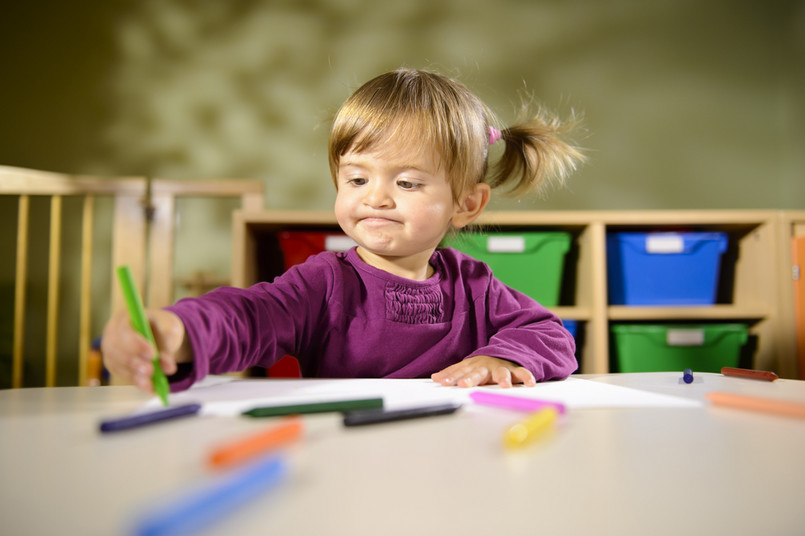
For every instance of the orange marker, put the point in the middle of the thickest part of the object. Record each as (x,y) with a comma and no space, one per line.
(749,373)
(755,403)
(243,449)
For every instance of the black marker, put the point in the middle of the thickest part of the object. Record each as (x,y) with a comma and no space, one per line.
(375,416)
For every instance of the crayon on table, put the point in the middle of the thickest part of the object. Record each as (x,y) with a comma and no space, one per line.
(144,419)
(139,322)
(529,429)
(202,508)
(755,403)
(244,449)
(316,407)
(377,416)
(749,373)
(514,402)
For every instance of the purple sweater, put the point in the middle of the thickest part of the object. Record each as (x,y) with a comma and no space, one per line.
(343,318)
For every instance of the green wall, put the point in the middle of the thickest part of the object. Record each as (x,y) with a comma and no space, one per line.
(689,104)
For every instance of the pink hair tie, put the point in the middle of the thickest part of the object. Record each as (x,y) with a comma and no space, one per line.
(494,135)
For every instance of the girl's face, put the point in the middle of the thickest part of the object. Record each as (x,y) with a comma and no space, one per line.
(397,205)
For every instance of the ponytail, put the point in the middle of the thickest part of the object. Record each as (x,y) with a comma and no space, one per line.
(536,155)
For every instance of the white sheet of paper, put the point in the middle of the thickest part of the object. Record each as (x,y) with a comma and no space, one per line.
(225,396)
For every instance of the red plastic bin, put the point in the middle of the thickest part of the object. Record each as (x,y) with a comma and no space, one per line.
(296,247)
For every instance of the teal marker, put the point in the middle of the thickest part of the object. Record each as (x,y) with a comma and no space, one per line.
(140,323)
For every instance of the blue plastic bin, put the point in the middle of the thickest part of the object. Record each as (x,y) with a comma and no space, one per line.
(576,330)
(664,268)
(571,326)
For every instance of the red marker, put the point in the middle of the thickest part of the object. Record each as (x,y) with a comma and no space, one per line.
(763,375)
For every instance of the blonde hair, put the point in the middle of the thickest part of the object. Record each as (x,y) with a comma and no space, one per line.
(408,105)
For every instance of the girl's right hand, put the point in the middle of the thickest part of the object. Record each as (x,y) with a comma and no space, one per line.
(128,355)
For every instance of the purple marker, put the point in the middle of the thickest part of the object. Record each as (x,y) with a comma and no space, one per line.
(514,402)
(144,419)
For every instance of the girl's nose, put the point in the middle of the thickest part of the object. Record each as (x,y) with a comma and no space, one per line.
(377,196)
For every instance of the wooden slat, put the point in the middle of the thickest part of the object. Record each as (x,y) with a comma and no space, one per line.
(128,244)
(252,201)
(128,247)
(85,296)
(599,362)
(695,313)
(243,264)
(207,188)
(20,281)
(160,252)
(54,268)
(19,181)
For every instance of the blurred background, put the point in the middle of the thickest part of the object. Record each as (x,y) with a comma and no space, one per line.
(688,104)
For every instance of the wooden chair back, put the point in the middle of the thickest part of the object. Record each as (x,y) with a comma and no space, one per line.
(143,229)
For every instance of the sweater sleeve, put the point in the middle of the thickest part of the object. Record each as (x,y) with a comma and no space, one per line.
(524,332)
(232,329)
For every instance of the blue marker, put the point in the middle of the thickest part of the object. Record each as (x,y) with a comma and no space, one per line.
(207,506)
(687,376)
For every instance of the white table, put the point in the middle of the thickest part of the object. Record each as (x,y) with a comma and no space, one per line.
(700,470)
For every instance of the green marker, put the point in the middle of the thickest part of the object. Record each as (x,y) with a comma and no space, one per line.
(316,407)
(140,323)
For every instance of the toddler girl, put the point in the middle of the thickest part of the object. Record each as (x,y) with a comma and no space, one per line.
(408,154)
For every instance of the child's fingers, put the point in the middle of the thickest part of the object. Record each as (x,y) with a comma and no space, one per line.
(502,376)
(137,369)
(168,334)
(473,377)
(126,353)
(481,370)
(524,376)
(447,376)
(463,374)
(143,381)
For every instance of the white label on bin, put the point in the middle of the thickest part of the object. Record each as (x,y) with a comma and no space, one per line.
(685,337)
(665,243)
(338,243)
(505,244)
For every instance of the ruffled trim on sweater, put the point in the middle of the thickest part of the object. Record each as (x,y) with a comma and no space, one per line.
(413,305)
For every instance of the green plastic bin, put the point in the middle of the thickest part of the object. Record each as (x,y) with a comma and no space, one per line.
(529,262)
(659,348)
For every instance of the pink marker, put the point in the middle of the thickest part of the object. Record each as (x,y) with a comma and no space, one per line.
(514,402)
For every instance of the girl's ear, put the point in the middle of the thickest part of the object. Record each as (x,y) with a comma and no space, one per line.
(470,205)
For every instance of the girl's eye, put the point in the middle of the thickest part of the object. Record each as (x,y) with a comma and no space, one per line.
(407,185)
(357,181)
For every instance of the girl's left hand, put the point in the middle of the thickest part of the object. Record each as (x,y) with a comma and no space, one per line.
(483,370)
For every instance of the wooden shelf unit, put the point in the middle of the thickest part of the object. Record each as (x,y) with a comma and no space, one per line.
(756,270)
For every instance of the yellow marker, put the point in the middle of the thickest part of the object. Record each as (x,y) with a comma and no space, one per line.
(525,431)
